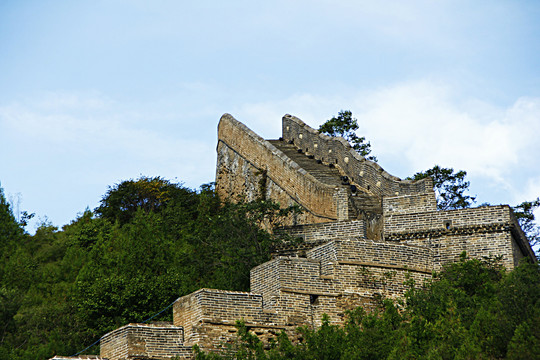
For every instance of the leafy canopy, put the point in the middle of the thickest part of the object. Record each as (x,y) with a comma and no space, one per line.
(345,125)
(150,242)
(525,215)
(122,200)
(450,187)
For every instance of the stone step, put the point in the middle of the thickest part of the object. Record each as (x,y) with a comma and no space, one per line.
(321,172)
(358,202)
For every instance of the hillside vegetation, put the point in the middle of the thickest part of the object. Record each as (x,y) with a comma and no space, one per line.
(148,243)
(151,241)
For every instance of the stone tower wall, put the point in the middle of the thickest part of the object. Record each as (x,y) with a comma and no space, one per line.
(409,203)
(480,232)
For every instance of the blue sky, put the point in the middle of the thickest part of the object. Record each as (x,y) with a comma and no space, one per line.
(95,92)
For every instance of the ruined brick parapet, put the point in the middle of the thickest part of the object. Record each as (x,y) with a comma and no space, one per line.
(336,150)
(327,231)
(480,232)
(209,316)
(445,220)
(291,274)
(144,341)
(337,268)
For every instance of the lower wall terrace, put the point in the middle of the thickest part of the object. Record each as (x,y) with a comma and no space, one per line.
(144,341)
(327,231)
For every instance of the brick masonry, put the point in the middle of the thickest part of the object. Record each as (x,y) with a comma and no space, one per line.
(140,341)
(356,246)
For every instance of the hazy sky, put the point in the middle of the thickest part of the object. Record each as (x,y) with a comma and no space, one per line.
(96,92)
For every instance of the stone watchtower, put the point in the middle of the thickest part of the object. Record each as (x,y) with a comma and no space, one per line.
(364,231)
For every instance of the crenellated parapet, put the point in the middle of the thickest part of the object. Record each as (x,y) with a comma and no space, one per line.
(322,174)
(480,232)
(369,175)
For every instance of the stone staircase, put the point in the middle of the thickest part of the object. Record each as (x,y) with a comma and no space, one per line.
(321,172)
(361,204)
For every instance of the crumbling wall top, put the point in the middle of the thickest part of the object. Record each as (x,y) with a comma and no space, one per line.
(337,151)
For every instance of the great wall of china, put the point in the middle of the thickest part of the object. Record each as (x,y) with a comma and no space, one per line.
(364,232)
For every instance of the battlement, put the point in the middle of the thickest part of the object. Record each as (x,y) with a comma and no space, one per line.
(305,168)
(369,175)
(407,204)
(144,341)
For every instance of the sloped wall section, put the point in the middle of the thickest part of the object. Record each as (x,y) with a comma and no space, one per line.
(249,167)
(335,150)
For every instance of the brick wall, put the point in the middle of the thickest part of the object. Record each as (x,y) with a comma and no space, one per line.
(350,260)
(410,203)
(476,245)
(337,268)
(217,306)
(144,340)
(210,316)
(327,254)
(480,232)
(264,280)
(328,231)
(378,254)
(331,150)
(439,220)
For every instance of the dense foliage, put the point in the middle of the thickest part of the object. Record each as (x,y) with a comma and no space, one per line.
(451,187)
(345,125)
(525,215)
(151,241)
(471,310)
(148,243)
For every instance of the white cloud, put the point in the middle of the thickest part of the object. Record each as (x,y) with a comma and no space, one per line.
(80,131)
(425,124)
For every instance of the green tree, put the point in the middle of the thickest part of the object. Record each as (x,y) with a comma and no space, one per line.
(525,215)
(10,230)
(147,193)
(345,125)
(140,264)
(11,235)
(450,187)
